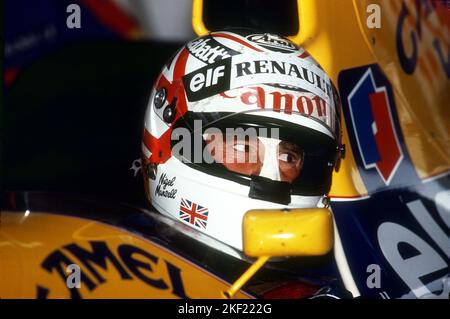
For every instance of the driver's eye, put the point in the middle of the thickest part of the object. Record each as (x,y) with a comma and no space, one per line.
(287,157)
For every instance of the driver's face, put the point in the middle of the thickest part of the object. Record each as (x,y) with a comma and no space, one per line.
(249,155)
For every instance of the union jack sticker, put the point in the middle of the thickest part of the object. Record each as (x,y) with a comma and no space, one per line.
(193,213)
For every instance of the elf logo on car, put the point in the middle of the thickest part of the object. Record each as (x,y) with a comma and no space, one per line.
(208,81)
(427,262)
(272,42)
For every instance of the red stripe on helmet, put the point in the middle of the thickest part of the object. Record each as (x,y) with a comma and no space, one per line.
(175,89)
(304,55)
(177,84)
(236,39)
(180,66)
(160,147)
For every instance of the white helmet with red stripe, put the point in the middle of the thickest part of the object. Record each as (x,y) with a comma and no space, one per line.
(239,120)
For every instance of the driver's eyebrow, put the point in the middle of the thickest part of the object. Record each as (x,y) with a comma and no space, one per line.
(287,146)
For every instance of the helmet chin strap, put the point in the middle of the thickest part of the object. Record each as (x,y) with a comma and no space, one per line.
(270,168)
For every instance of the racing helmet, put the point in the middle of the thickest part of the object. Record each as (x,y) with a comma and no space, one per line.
(239,120)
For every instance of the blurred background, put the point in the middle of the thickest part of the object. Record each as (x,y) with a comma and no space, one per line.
(74,98)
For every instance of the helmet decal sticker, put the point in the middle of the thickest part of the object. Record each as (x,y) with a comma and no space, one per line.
(250,69)
(273,42)
(193,213)
(209,50)
(208,81)
(166,186)
(286,101)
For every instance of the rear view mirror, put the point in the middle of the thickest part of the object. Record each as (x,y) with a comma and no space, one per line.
(297,232)
(273,233)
